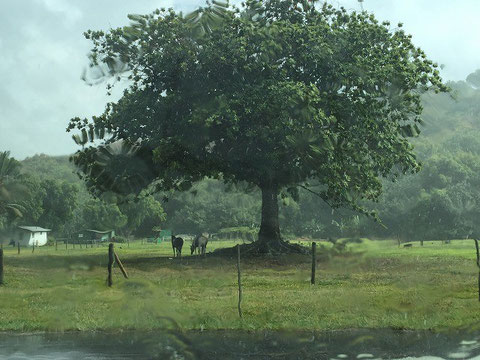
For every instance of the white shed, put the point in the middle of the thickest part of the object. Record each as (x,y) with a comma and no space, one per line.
(30,235)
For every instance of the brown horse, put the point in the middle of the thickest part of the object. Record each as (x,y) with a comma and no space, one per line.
(177,244)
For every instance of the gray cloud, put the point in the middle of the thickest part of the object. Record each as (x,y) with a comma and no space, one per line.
(44,51)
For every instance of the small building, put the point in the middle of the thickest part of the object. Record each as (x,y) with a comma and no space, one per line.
(94,236)
(31,235)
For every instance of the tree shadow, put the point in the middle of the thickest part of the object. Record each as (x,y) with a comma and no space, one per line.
(133,262)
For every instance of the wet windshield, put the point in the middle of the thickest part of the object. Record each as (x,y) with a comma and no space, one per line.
(268,179)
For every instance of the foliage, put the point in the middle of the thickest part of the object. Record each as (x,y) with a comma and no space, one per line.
(48,203)
(50,167)
(9,167)
(120,239)
(32,202)
(240,232)
(209,207)
(143,215)
(58,205)
(99,215)
(441,201)
(9,189)
(55,198)
(278,94)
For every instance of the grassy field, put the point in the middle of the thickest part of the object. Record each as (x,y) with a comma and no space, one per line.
(371,285)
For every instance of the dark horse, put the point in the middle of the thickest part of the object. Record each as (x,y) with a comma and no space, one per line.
(177,244)
(200,243)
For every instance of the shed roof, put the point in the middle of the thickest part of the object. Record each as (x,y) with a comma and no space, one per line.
(99,231)
(34,229)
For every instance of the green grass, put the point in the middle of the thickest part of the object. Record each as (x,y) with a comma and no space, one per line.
(372,285)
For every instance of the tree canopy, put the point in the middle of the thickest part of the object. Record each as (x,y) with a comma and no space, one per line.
(277,93)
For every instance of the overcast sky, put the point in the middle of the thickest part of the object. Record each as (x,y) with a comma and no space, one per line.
(43,52)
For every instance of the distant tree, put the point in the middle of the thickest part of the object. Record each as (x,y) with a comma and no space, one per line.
(99,215)
(9,167)
(32,200)
(142,215)
(59,203)
(443,201)
(434,217)
(280,94)
(211,206)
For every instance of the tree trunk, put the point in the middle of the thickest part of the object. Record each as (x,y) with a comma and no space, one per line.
(269,239)
(269,235)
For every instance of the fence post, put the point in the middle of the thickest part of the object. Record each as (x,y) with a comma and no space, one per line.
(56,244)
(110,263)
(66,244)
(478,265)
(1,266)
(314,262)
(18,247)
(239,282)
(33,247)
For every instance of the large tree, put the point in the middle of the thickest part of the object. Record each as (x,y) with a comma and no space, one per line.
(279,94)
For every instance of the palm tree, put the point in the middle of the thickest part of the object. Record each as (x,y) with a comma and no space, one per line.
(9,187)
